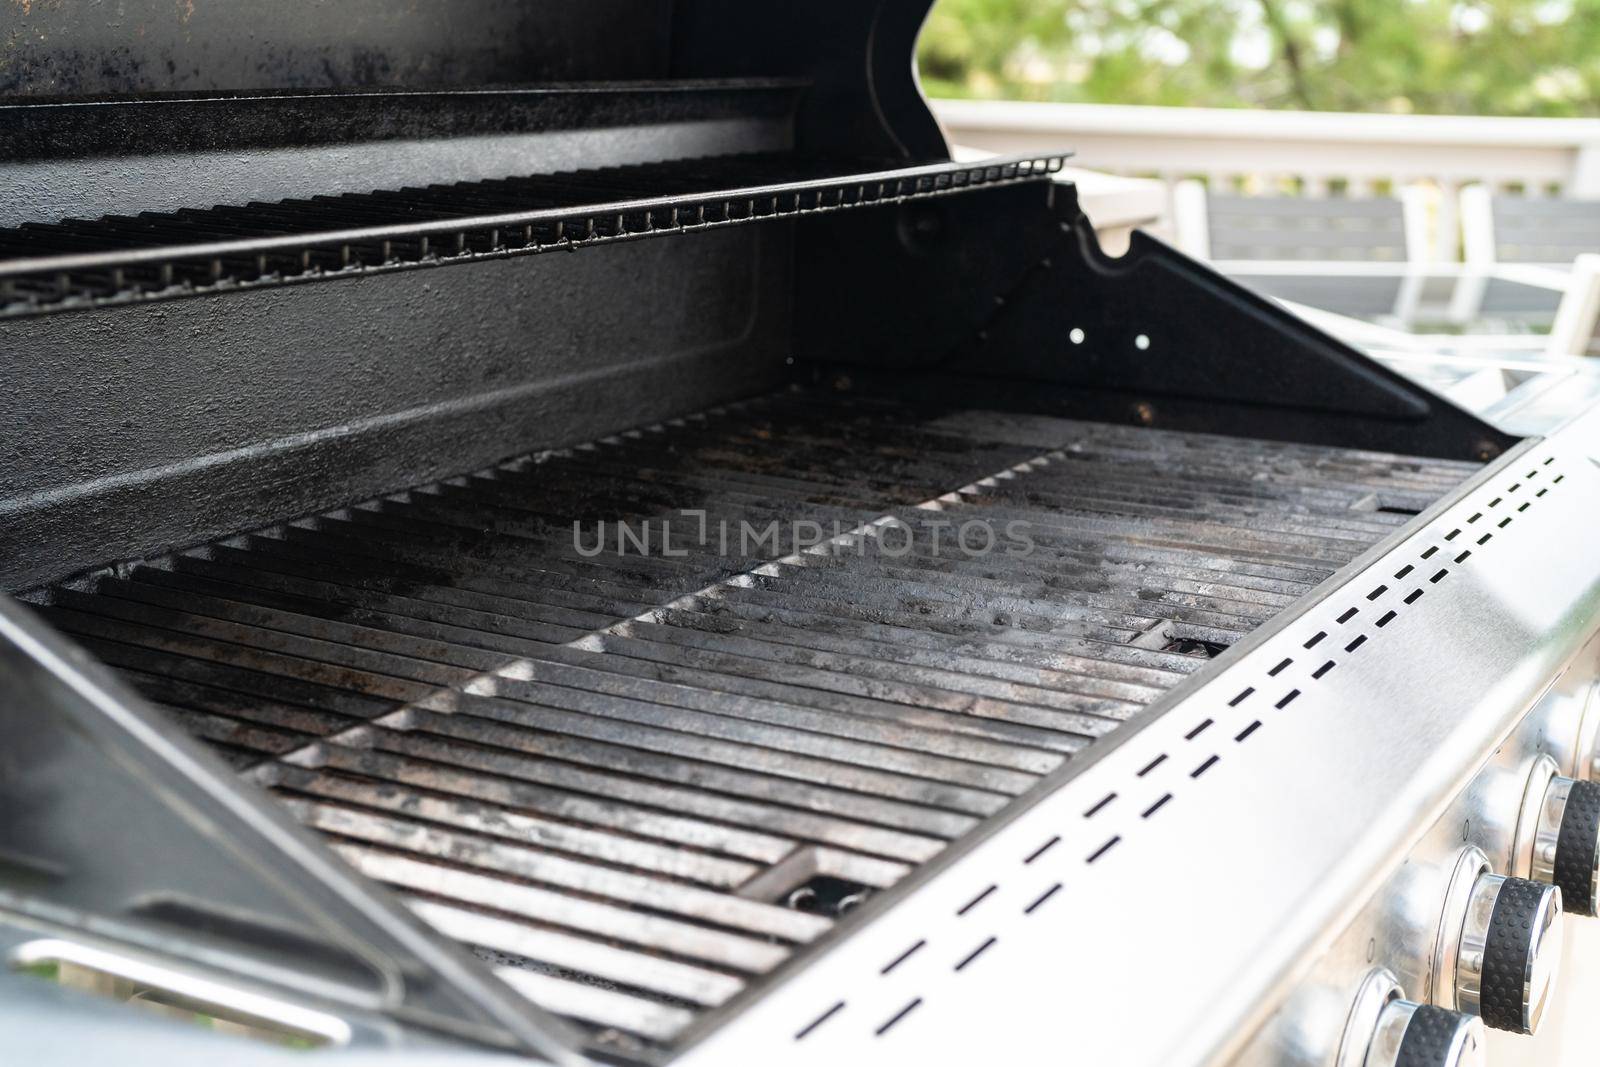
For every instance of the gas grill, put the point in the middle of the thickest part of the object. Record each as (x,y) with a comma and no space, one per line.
(598,540)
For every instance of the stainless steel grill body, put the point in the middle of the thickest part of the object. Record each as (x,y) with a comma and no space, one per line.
(1310,880)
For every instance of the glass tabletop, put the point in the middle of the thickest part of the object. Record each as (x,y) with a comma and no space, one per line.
(1477,337)
(1442,299)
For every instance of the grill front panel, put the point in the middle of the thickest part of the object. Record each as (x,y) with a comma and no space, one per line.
(636,781)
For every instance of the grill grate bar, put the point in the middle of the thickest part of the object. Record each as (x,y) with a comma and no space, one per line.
(959,585)
(1098,655)
(965,786)
(525,758)
(507,596)
(664,977)
(843,793)
(511,784)
(968,758)
(671,937)
(497,820)
(836,680)
(1080,675)
(910,730)
(601,1006)
(994,741)
(946,686)
(654,895)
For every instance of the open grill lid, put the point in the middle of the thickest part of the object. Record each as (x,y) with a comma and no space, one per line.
(166,100)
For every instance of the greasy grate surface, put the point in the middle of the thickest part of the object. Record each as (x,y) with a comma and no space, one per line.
(635,782)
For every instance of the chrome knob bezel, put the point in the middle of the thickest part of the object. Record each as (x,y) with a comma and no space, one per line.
(1550,810)
(1531,816)
(1377,990)
(1471,864)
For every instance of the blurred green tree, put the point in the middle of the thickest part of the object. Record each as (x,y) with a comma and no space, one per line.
(1489,57)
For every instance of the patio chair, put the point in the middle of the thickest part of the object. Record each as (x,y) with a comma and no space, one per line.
(1362,257)
(1578,316)
(1514,246)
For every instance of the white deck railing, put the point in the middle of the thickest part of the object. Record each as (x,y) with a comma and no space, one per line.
(1298,153)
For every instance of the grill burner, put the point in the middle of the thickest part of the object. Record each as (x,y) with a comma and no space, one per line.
(638,782)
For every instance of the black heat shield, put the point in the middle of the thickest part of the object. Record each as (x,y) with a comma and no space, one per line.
(1008,300)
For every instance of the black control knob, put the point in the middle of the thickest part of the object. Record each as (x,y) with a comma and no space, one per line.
(1510,951)
(1384,1029)
(1566,843)
(1421,1035)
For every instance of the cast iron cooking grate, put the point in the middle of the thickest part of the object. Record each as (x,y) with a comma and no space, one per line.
(636,783)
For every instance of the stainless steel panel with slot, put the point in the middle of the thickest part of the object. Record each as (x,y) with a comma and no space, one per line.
(1338,746)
